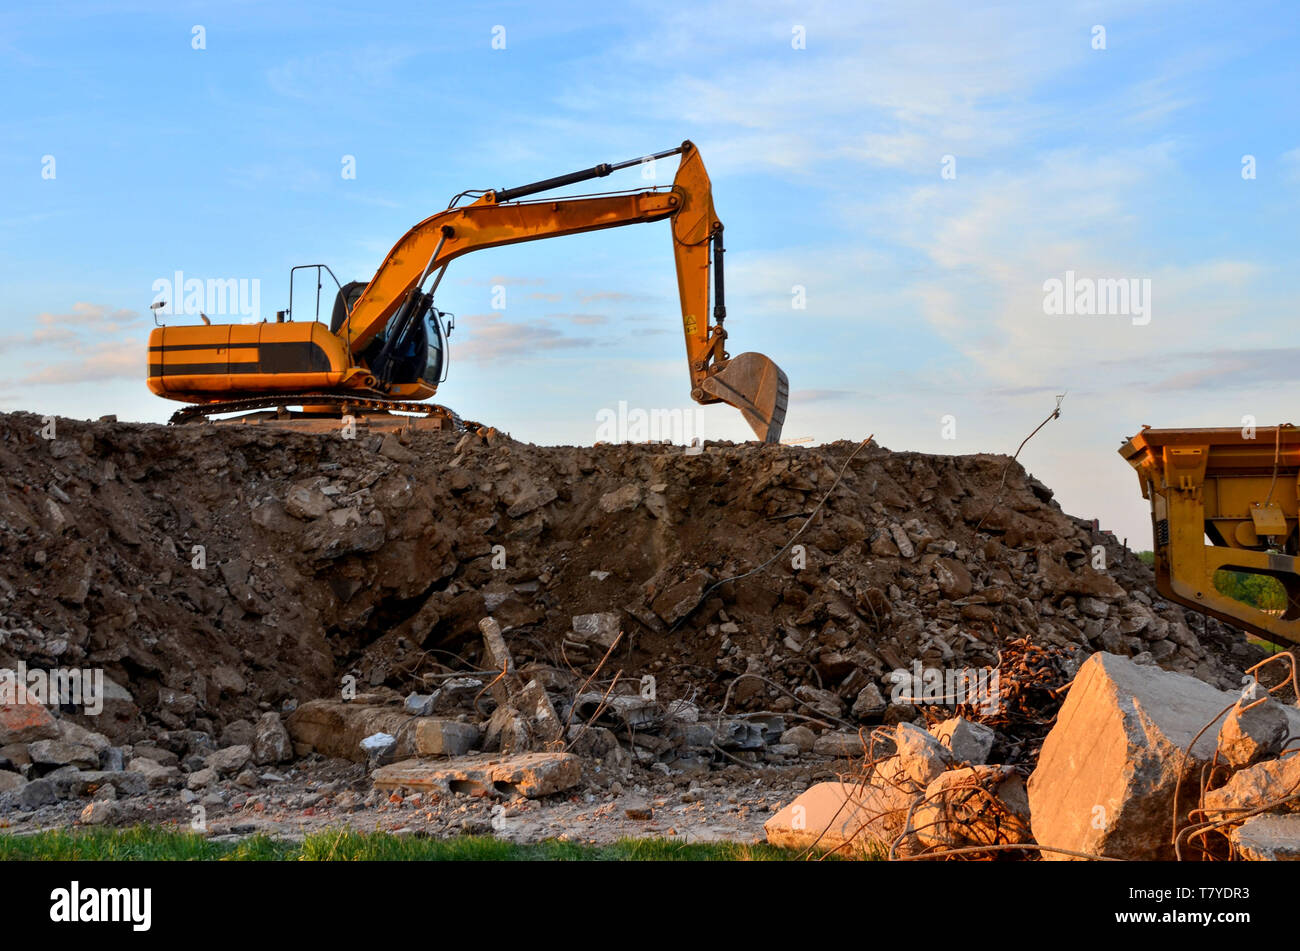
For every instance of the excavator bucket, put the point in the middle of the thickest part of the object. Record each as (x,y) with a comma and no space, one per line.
(756,386)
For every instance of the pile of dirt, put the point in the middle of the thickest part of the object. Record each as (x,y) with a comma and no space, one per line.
(216,572)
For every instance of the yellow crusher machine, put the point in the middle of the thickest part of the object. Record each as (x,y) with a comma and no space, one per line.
(1237,489)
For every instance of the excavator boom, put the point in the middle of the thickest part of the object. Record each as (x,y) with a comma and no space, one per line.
(370,349)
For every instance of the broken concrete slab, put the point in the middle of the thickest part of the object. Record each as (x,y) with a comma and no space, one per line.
(336,728)
(532,775)
(1268,838)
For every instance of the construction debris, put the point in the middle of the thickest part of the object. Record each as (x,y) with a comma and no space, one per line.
(482,616)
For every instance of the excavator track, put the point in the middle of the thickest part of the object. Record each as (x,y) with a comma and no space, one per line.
(362,405)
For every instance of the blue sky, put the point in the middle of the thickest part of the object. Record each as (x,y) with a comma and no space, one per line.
(924,293)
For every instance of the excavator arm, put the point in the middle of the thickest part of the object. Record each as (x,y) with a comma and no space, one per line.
(751,382)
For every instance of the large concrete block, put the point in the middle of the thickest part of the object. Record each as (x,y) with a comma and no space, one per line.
(849,818)
(527,774)
(1106,776)
(336,728)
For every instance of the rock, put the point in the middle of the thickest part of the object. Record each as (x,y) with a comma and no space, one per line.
(953,578)
(238,733)
(528,774)
(456,692)
(883,546)
(903,543)
(1268,838)
(839,744)
(969,742)
(920,757)
(623,499)
(391,448)
(155,774)
(73,732)
(247,779)
(119,714)
(62,753)
(436,737)
(638,809)
(506,731)
(201,779)
(957,809)
(869,703)
(156,753)
(1256,734)
(1256,786)
(820,701)
(112,759)
(37,793)
(544,726)
(342,532)
(9,782)
(25,722)
(231,759)
(848,818)
(801,737)
(533,498)
(420,704)
(1106,775)
(15,756)
(99,812)
(123,783)
(271,742)
(306,501)
(601,628)
(1092,607)
(680,599)
(379,747)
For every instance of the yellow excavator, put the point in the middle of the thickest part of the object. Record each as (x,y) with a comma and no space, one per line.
(1239,489)
(384,350)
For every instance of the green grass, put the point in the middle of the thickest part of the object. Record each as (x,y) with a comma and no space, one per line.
(153,844)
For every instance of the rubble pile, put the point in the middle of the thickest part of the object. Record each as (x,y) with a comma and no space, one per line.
(410,600)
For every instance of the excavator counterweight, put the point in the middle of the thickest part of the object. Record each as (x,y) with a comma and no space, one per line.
(387,341)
